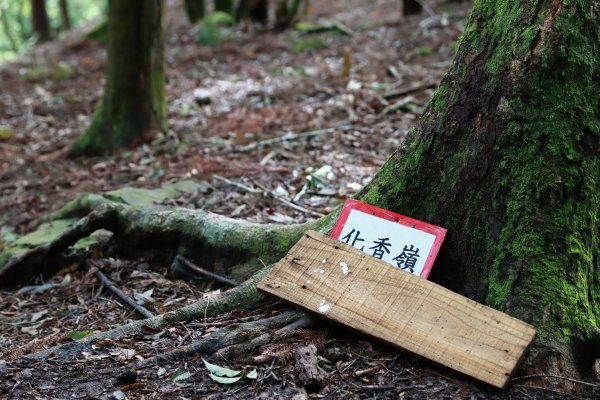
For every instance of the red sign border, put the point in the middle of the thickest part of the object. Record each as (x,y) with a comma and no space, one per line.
(437,231)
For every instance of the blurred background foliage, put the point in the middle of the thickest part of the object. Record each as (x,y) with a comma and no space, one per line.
(16,33)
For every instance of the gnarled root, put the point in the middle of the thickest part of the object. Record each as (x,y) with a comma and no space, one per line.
(239,339)
(235,246)
(242,296)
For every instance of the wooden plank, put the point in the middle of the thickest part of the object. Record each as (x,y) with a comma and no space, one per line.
(345,285)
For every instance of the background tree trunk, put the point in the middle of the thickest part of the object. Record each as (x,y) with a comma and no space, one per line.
(411,7)
(40,21)
(506,156)
(195,10)
(224,5)
(133,106)
(65,18)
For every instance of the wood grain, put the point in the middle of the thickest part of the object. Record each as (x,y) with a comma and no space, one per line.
(399,308)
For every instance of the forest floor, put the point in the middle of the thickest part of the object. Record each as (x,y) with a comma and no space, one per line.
(223,101)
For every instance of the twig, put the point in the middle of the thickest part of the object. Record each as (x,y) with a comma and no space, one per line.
(525,377)
(270,194)
(414,87)
(87,265)
(541,388)
(400,104)
(211,275)
(292,136)
(377,387)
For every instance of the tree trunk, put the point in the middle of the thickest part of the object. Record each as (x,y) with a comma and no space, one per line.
(195,10)
(133,107)
(506,156)
(65,18)
(224,5)
(255,10)
(40,21)
(8,32)
(411,7)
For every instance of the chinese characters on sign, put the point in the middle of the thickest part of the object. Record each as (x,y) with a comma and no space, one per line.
(404,242)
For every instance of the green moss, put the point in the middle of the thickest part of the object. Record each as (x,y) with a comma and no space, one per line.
(533,221)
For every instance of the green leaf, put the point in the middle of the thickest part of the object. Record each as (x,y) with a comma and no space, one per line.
(223,379)
(252,374)
(78,335)
(220,371)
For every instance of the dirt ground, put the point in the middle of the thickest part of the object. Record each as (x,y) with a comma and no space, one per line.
(223,102)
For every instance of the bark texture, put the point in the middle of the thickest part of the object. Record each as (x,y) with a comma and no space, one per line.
(506,156)
(411,7)
(40,21)
(195,10)
(133,107)
(65,18)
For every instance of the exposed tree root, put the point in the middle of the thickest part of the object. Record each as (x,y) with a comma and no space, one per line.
(212,241)
(242,296)
(238,339)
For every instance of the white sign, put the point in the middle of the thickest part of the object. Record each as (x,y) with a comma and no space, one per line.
(400,241)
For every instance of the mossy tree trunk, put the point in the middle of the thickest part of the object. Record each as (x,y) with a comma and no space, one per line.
(506,156)
(133,107)
(195,10)
(65,17)
(40,21)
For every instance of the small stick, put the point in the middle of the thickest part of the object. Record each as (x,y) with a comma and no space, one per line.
(270,194)
(527,377)
(211,275)
(400,104)
(414,87)
(287,202)
(378,387)
(87,265)
(291,136)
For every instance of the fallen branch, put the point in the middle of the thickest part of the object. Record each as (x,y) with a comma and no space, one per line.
(292,136)
(527,377)
(202,271)
(242,296)
(414,87)
(270,194)
(237,339)
(87,265)
(401,104)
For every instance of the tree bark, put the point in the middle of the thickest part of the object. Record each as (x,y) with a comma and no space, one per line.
(506,156)
(224,6)
(65,18)
(133,107)
(195,10)
(40,21)
(411,7)
(7,29)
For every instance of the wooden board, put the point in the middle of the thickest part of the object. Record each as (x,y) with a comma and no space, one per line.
(345,285)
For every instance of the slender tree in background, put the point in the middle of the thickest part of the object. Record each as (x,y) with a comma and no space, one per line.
(7,29)
(411,7)
(195,10)
(40,21)
(65,18)
(224,5)
(133,108)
